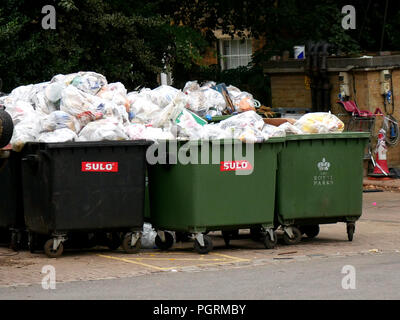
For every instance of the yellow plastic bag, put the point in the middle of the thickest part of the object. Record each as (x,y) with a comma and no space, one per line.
(319,122)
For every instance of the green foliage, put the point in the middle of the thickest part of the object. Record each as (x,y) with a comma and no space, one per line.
(126,41)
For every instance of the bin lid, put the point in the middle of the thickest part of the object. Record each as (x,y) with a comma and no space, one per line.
(85,144)
(338,135)
(222,141)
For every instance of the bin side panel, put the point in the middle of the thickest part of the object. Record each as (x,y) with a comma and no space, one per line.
(11,209)
(320,179)
(204,197)
(94,197)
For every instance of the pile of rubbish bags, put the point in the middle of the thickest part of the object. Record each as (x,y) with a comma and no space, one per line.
(83,106)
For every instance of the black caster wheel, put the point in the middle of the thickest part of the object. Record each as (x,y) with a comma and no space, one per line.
(208,246)
(227,235)
(296,237)
(310,231)
(15,241)
(6,128)
(50,252)
(113,241)
(165,245)
(268,242)
(126,244)
(351,228)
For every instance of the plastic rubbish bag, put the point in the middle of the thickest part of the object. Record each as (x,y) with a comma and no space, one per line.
(319,122)
(89,82)
(208,84)
(79,104)
(148,236)
(53,92)
(206,101)
(104,129)
(155,134)
(214,132)
(244,102)
(163,95)
(59,135)
(116,93)
(290,128)
(144,111)
(110,109)
(26,130)
(42,104)
(273,131)
(20,110)
(191,86)
(242,120)
(60,120)
(135,131)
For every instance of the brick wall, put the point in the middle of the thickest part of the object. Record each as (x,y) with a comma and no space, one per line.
(289,91)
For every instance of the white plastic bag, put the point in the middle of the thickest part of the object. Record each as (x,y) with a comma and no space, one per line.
(191,86)
(148,236)
(104,129)
(25,131)
(163,95)
(273,131)
(89,82)
(144,110)
(290,128)
(79,104)
(59,135)
(59,120)
(20,110)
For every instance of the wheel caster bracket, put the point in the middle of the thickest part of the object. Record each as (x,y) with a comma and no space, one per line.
(200,238)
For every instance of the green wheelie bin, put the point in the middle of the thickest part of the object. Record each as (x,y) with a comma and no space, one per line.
(319,181)
(217,190)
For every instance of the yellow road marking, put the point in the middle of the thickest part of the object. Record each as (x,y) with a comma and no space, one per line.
(226,259)
(130,261)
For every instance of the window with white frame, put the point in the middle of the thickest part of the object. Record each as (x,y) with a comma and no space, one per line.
(235,53)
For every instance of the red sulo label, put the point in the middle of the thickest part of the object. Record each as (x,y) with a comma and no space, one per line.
(235,165)
(99,166)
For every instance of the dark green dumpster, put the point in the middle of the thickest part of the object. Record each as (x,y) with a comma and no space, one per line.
(319,181)
(225,193)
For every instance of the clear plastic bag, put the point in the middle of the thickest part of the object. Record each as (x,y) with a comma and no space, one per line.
(59,120)
(319,122)
(163,95)
(191,86)
(104,129)
(89,82)
(81,105)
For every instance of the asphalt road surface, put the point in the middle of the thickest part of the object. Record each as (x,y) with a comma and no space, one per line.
(377,276)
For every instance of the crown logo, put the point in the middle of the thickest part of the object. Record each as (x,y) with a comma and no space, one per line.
(323,165)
